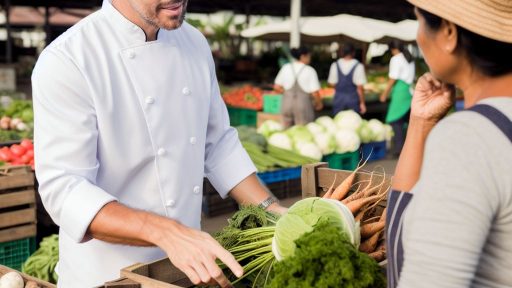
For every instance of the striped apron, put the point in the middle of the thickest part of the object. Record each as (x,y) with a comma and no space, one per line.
(398,202)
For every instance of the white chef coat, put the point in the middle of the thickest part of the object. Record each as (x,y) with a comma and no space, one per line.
(400,69)
(118,118)
(307,77)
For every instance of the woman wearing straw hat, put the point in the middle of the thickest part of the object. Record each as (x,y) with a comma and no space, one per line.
(455,227)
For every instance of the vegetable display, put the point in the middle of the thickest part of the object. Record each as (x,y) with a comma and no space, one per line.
(244,97)
(42,263)
(18,154)
(16,121)
(272,249)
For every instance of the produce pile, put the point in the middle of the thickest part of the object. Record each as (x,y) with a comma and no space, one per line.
(377,83)
(343,134)
(18,154)
(42,263)
(267,157)
(327,92)
(248,97)
(315,244)
(14,280)
(16,121)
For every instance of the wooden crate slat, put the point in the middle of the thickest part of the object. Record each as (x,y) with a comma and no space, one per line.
(41,283)
(16,181)
(17,233)
(158,274)
(18,217)
(17,198)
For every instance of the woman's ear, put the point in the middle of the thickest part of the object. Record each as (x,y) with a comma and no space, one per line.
(449,34)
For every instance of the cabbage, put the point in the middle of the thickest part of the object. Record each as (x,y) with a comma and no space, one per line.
(347,141)
(328,124)
(269,127)
(280,140)
(326,142)
(304,215)
(348,120)
(315,128)
(378,130)
(300,134)
(365,132)
(310,150)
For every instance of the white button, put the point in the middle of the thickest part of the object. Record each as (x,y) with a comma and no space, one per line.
(150,100)
(131,54)
(161,152)
(170,203)
(197,189)
(186,91)
(193,140)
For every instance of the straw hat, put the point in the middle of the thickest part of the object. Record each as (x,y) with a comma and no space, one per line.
(488,18)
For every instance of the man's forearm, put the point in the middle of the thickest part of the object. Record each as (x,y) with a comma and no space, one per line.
(118,224)
(409,164)
(250,191)
(360,92)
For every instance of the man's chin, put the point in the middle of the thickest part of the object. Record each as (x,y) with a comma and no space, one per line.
(172,24)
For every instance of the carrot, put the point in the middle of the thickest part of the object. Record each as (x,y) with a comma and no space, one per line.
(359,216)
(342,190)
(369,245)
(328,194)
(356,205)
(378,255)
(372,228)
(364,193)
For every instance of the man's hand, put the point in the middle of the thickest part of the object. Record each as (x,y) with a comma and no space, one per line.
(192,251)
(362,107)
(278,209)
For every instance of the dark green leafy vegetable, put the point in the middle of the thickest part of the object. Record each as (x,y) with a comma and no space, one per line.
(325,258)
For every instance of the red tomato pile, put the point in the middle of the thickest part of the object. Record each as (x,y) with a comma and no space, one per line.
(18,154)
(248,97)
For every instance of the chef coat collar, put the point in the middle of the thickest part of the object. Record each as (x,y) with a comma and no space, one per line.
(130,30)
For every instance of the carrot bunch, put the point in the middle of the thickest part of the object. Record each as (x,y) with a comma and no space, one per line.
(364,202)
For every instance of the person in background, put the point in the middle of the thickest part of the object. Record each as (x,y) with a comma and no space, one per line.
(347,75)
(300,85)
(455,224)
(402,72)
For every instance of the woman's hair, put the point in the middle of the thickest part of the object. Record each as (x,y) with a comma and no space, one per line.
(347,50)
(298,52)
(492,58)
(397,44)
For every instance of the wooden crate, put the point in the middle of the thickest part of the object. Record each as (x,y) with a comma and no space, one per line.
(41,283)
(158,274)
(17,203)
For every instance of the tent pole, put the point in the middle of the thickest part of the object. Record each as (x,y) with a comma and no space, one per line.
(295,12)
(8,49)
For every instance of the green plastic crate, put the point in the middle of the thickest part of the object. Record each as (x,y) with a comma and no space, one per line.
(14,253)
(241,116)
(272,104)
(345,161)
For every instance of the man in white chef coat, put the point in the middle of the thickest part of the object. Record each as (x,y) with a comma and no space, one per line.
(128,121)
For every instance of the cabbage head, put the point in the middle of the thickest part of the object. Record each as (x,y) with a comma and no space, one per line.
(348,119)
(347,141)
(302,218)
(269,127)
(281,140)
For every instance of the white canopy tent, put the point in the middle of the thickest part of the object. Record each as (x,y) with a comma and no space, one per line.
(337,28)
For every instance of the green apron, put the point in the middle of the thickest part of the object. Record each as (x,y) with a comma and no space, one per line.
(400,101)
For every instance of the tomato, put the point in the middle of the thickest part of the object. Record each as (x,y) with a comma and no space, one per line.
(5,154)
(25,159)
(31,162)
(27,144)
(30,153)
(18,150)
(17,162)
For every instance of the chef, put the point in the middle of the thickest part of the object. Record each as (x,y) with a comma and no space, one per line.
(128,121)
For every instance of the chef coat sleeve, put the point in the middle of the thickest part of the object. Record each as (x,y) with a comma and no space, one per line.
(227,162)
(65,139)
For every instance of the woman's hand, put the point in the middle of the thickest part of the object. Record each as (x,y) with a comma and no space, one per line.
(432,99)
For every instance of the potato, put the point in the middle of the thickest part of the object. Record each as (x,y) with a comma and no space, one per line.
(32,284)
(11,280)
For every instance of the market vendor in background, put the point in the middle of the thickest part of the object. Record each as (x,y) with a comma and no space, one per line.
(451,204)
(402,72)
(347,75)
(300,85)
(128,121)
